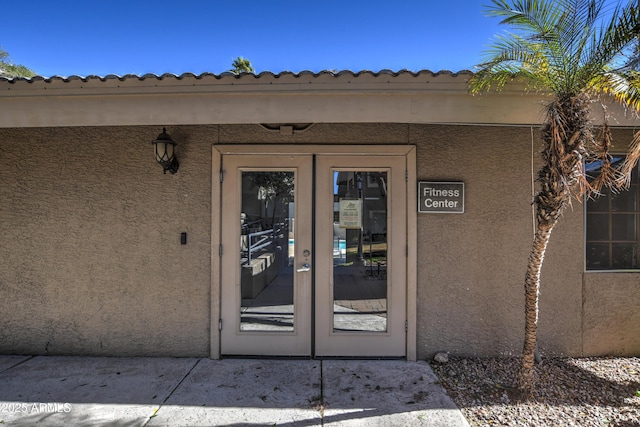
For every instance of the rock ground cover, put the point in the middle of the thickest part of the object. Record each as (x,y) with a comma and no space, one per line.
(569,392)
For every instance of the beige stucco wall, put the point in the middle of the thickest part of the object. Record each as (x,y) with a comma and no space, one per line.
(611,301)
(91,254)
(612,314)
(92,261)
(470,265)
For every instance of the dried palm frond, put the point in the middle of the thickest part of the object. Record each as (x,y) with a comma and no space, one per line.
(565,134)
(608,174)
(623,178)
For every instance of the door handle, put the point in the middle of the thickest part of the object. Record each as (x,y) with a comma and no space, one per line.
(305,267)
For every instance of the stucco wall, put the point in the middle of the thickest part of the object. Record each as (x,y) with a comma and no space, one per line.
(471,265)
(612,314)
(321,133)
(91,255)
(561,287)
(92,260)
(611,301)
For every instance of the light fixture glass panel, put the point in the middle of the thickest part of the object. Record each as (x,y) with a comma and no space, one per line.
(169,151)
(164,151)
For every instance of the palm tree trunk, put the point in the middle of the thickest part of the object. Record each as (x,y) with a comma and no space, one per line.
(564,135)
(532,289)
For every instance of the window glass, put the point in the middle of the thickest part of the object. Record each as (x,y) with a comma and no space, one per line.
(623,227)
(624,255)
(597,227)
(600,204)
(598,256)
(613,224)
(625,201)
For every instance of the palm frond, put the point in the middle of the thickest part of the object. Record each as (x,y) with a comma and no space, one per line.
(576,35)
(601,149)
(631,160)
(512,56)
(565,46)
(611,40)
(632,56)
(624,86)
(529,16)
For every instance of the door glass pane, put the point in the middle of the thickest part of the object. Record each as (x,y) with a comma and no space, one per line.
(266,251)
(360,251)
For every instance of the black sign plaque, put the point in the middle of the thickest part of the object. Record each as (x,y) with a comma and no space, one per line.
(440,197)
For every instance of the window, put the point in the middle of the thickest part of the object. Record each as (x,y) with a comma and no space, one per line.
(613,225)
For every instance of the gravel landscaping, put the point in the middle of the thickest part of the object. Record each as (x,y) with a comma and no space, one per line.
(569,392)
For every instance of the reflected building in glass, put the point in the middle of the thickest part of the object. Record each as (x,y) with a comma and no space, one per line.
(360,251)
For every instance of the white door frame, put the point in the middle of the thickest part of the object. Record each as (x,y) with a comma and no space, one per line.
(361,343)
(358,150)
(297,340)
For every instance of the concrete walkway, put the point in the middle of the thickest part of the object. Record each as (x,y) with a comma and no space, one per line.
(105,391)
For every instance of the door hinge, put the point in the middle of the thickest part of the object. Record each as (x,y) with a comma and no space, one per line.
(221,175)
(406,176)
(220,250)
(406,326)
(219,324)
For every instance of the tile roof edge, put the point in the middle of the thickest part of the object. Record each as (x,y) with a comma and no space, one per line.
(228,74)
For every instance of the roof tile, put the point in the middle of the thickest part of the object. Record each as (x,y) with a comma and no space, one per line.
(227,74)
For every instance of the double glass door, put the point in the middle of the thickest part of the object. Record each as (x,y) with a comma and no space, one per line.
(313,255)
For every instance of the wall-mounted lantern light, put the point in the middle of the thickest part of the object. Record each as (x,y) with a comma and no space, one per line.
(164,147)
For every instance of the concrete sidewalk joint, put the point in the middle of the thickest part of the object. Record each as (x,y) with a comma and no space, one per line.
(172,392)
(9,362)
(148,392)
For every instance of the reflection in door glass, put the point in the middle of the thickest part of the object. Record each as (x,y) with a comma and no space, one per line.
(266,251)
(360,251)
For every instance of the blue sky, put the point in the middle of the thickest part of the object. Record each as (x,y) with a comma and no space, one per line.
(138,37)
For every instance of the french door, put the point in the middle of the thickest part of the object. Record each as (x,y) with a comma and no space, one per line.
(313,255)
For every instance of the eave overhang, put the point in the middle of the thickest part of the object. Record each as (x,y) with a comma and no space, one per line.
(326,97)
